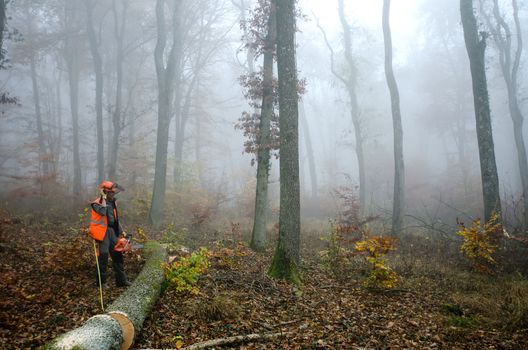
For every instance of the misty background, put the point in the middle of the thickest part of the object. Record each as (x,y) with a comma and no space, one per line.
(430,63)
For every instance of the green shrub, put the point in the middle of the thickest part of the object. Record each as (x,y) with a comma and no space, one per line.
(183,274)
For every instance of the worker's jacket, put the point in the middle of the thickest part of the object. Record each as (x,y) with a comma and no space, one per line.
(99,223)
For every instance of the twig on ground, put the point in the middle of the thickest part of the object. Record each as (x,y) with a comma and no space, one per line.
(233,340)
(282,324)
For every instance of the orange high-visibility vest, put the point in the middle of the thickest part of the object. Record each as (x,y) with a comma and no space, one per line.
(99,223)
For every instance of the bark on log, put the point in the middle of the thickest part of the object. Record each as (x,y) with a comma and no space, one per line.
(125,316)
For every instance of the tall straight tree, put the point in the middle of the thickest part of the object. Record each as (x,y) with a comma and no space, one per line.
(98,69)
(71,56)
(166,79)
(120,21)
(305,127)
(349,81)
(32,46)
(287,254)
(258,237)
(398,206)
(502,36)
(476,48)
(3,20)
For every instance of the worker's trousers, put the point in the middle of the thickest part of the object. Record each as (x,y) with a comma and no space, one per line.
(106,247)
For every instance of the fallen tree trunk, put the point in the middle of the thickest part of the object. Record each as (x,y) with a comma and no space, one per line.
(124,318)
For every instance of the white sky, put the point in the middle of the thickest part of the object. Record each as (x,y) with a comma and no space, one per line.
(367,14)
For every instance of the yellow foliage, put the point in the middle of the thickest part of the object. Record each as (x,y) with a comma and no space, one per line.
(183,275)
(381,275)
(140,235)
(478,244)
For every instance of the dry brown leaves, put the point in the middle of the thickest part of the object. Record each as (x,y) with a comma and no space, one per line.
(47,282)
(40,300)
(323,313)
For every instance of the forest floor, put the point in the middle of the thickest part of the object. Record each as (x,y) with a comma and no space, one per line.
(47,288)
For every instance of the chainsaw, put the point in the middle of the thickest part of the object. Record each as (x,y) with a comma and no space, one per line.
(124,244)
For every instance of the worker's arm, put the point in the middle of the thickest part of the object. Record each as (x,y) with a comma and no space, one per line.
(100,208)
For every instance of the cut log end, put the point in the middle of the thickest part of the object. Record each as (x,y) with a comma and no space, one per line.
(127,327)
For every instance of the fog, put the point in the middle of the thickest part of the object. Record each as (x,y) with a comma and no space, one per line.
(442,171)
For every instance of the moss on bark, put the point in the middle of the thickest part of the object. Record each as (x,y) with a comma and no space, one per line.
(284,267)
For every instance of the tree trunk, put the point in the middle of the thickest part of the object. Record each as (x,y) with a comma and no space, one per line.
(119,32)
(71,55)
(287,254)
(43,158)
(309,151)
(57,128)
(510,72)
(181,119)
(2,27)
(476,48)
(98,69)
(125,316)
(43,153)
(351,83)
(399,171)
(166,77)
(259,234)
(132,144)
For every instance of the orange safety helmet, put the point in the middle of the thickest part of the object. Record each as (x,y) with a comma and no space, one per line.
(109,186)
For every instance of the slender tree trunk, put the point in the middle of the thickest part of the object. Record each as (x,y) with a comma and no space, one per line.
(43,154)
(181,119)
(287,254)
(43,159)
(98,69)
(2,27)
(461,140)
(179,140)
(73,73)
(476,47)
(351,83)
(71,56)
(119,32)
(259,234)
(116,116)
(165,75)
(399,171)
(510,72)
(58,127)
(132,144)
(309,151)
(198,145)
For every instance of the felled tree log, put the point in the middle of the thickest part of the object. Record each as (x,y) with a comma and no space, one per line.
(124,318)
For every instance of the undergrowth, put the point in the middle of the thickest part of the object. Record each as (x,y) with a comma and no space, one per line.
(182,275)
